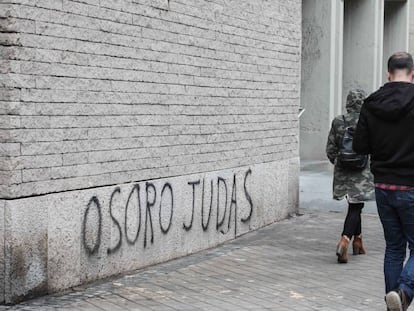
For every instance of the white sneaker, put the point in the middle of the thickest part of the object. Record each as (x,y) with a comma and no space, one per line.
(396,300)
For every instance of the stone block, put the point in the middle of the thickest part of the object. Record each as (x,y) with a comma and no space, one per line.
(64,228)
(26,237)
(2,251)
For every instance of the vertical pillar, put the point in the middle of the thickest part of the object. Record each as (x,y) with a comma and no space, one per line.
(363,31)
(337,38)
(396,29)
(411,26)
(321,73)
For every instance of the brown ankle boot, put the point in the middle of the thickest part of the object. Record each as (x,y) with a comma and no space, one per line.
(342,250)
(358,246)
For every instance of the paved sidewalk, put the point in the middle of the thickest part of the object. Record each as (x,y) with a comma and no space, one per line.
(287,266)
(316,188)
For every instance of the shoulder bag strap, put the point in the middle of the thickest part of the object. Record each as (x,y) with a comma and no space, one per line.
(343,118)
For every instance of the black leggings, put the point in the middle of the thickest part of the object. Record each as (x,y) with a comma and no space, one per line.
(352,225)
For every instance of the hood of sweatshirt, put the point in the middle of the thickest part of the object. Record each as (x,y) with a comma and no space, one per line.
(354,100)
(392,101)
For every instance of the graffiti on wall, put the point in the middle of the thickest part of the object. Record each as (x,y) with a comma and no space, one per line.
(218,193)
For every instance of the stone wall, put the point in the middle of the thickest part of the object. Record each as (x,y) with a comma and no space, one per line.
(118,118)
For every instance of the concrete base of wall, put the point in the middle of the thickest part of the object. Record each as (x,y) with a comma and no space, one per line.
(57,241)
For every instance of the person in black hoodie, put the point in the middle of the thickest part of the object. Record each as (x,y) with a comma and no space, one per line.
(385,130)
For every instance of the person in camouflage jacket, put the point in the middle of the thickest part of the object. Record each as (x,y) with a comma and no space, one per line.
(355,186)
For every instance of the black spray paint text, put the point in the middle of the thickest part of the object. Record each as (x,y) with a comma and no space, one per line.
(223,197)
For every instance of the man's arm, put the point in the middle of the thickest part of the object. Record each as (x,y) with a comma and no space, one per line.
(361,143)
(331,147)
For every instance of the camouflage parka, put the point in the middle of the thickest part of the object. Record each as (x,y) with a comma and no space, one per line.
(357,186)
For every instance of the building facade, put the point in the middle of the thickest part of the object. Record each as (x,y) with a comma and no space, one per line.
(346,44)
(411,37)
(137,131)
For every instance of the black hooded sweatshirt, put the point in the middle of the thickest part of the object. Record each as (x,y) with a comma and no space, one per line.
(386,131)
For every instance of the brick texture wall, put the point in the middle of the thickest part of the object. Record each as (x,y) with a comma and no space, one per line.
(101,92)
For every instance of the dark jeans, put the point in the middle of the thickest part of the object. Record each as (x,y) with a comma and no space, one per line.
(396,210)
(352,225)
